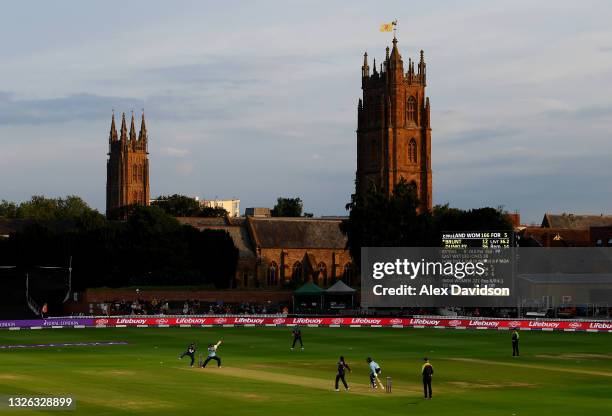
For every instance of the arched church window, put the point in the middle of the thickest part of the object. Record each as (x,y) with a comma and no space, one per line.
(347,274)
(272,274)
(296,271)
(412,151)
(411,112)
(322,274)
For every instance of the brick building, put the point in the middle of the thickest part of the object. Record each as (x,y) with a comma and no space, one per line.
(300,250)
(569,230)
(282,252)
(393,127)
(127,168)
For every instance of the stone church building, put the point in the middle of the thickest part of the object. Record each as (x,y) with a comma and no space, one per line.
(275,252)
(127,167)
(393,126)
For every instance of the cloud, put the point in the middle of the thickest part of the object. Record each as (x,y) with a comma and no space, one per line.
(74,107)
(590,112)
(174,152)
(520,98)
(90,107)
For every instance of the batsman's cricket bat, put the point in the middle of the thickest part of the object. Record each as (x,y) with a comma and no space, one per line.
(379,382)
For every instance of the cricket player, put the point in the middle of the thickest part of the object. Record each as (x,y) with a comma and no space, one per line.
(342,366)
(212,354)
(297,336)
(191,349)
(374,372)
(427,372)
(515,343)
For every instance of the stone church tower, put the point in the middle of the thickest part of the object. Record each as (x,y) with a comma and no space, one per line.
(393,130)
(127,168)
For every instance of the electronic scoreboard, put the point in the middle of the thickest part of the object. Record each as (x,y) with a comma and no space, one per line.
(477,239)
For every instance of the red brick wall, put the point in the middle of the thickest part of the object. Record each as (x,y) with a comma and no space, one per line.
(334,260)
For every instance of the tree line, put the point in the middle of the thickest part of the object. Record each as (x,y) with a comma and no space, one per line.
(149,248)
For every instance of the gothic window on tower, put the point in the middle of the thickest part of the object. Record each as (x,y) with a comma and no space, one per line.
(411,109)
(412,151)
(373,152)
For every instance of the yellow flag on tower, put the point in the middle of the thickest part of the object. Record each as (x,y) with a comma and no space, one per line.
(388,27)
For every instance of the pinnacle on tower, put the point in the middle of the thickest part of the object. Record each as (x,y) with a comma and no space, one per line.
(365,68)
(112,137)
(422,67)
(123,129)
(395,61)
(132,129)
(143,129)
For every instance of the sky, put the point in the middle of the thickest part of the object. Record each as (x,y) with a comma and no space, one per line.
(256,100)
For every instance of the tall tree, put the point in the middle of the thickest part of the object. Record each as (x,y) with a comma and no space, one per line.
(150,248)
(378,220)
(184,206)
(288,207)
(178,205)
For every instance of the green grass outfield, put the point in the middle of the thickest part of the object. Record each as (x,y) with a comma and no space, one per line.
(558,374)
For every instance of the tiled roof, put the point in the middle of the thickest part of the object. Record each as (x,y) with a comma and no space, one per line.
(300,232)
(575,221)
(238,233)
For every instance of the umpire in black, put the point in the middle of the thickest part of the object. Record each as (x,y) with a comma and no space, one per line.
(515,343)
(427,372)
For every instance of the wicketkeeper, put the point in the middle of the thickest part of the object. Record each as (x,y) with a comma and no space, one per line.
(212,354)
(191,349)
